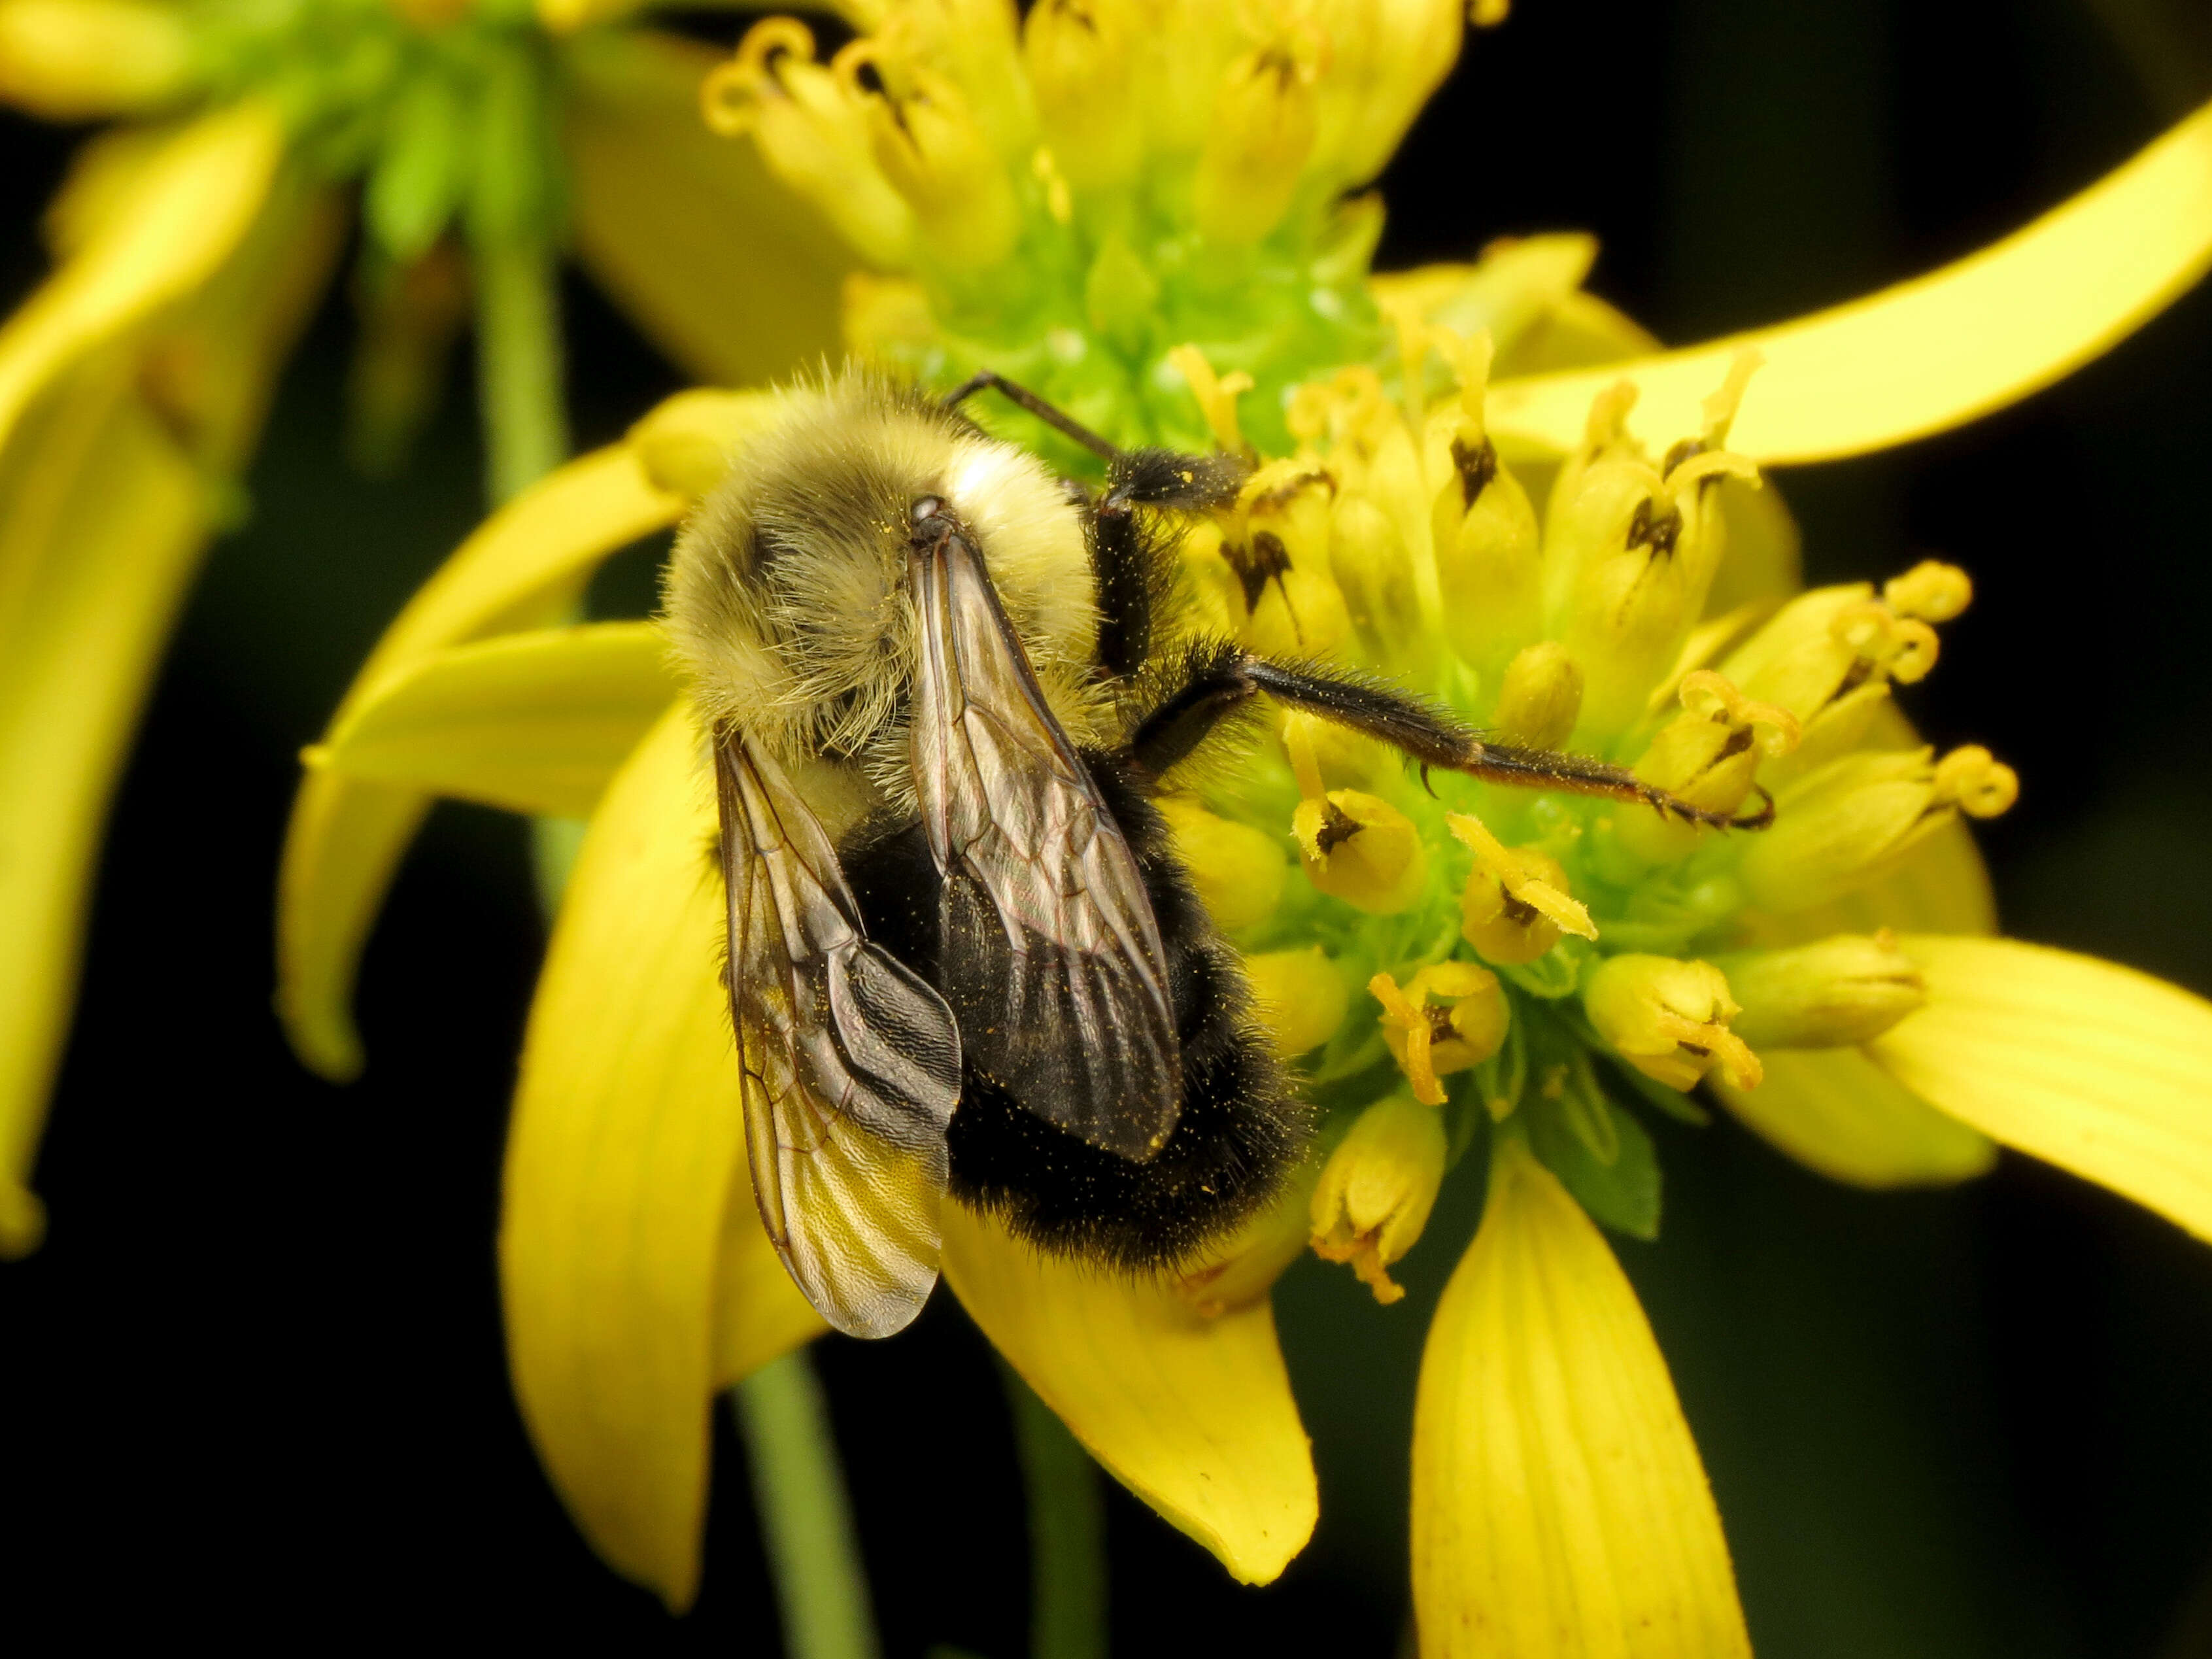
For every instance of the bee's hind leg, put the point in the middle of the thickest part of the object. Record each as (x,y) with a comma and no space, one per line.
(1217,678)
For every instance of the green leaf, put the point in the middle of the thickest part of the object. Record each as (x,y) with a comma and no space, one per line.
(1622,1192)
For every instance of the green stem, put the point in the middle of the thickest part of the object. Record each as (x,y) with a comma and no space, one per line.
(518,282)
(1067,1533)
(806,1524)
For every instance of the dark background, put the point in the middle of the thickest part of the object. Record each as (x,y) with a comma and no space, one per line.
(254,1380)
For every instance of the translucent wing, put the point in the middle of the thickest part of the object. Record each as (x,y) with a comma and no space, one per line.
(1051,954)
(852,1064)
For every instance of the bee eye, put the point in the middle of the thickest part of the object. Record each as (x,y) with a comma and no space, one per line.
(926,507)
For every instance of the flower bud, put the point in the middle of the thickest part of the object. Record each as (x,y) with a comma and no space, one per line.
(1238,870)
(812,137)
(79,60)
(1669,1019)
(1516,904)
(1385,58)
(1265,113)
(1465,1027)
(1080,54)
(1849,988)
(1362,850)
(929,144)
(1852,819)
(1490,563)
(1632,551)
(1707,756)
(1376,1190)
(1239,1271)
(1540,698)
(972,45)
(1302,996)
(1279,549)
(1375,573)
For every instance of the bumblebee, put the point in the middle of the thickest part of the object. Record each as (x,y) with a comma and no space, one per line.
(941,687)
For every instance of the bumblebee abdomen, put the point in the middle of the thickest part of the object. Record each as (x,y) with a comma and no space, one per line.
(1240,1128)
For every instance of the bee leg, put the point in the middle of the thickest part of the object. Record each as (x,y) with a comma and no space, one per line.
(1217,678)
(990,380)
(1132,549)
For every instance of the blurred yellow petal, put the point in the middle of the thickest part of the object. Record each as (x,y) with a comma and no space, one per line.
(1835,1111)
(1932,353)
(109,488)
(522,569)
(184,213)
(534,722)
(1194,1415)
(105,516)
(2095,1067)
(626,1147)
(1559,1506)
(729,273)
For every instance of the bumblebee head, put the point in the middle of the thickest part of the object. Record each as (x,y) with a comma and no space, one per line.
(787,600)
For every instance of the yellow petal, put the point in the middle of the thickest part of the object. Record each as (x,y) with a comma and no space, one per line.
(534,722)
(1934,352)
(2095,1067)
(1194,1415)
(519,569)
(1560,1507)
(185,211)
(1834,1111)
(729,273)
(104,521)
(104,511)
(626,1147)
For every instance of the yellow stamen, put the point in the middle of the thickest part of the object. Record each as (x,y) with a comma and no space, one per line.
(1216,396)
(1515,905)
(1465,1028)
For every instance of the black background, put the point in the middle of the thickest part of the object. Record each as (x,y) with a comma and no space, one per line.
(253,1383)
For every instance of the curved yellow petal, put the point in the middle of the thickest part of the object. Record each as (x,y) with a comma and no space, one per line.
(1932,353)
(522,569)
(108,492)
(1194,1415)
(534,722)
(729,272)
(626,1149)
(1837,1112)
(2094,1067)
(185,211)
(104,518)
(1559,1506)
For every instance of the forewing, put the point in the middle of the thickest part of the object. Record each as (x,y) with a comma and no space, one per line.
(852,1064)
(1051,954)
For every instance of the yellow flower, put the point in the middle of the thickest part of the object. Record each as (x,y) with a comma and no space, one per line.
(1560,1506)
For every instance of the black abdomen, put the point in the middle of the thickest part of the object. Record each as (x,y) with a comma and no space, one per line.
(1241,1127)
